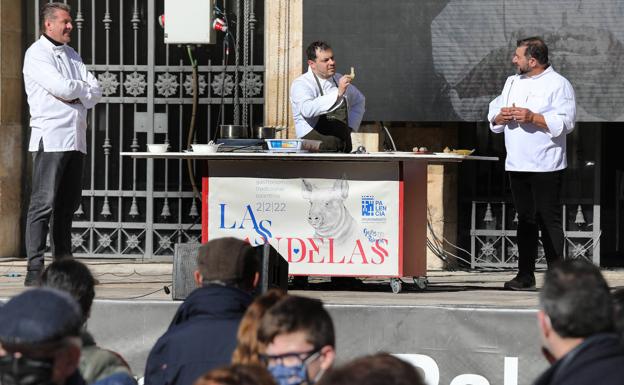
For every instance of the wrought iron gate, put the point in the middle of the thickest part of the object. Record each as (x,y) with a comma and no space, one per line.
(141,208)
(494,228)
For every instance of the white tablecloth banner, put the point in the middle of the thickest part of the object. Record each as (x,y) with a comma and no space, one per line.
(320,226)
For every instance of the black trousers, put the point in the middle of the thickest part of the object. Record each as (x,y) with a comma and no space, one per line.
(56,193)
(537,198)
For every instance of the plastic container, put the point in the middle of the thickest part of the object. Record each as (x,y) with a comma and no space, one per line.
(284,145)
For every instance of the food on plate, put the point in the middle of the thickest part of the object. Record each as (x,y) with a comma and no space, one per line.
(450,151)
(463,152)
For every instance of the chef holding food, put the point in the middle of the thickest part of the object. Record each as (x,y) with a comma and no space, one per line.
(326,106)
(535,111)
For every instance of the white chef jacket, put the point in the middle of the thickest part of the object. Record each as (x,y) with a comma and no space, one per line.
(308,104)
(52,73)
(529,147)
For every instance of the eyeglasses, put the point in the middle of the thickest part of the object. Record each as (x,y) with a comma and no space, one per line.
(290,359)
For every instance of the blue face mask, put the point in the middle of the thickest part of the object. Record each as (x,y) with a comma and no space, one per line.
(290,375)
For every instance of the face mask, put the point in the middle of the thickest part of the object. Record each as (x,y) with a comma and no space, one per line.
(25,371)
(290,375)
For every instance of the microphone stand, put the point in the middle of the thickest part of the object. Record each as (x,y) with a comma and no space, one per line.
(226,54)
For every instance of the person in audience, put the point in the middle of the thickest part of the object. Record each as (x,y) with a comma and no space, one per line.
(576,327)
(249,348)
(237,374)
(73,277)
(202,334)
(376,369)
(40,336)
(299,337)
(618,312)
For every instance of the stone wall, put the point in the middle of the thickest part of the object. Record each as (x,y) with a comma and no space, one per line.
(11,132)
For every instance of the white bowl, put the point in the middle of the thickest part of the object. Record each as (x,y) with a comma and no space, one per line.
(157,148)
(205,148)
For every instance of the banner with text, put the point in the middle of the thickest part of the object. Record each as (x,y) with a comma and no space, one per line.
(320,226)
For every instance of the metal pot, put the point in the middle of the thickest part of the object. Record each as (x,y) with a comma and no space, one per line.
(266,132)
(233,131)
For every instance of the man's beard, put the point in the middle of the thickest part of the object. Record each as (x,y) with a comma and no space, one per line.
(522,70)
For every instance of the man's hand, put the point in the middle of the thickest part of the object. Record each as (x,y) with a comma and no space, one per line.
(343,84)
(505,116)
(522,115)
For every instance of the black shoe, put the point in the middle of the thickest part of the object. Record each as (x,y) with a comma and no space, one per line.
(521,282)
(32,278)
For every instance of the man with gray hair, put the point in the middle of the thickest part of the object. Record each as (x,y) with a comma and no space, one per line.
(60,90)
(202,334)
(576,327)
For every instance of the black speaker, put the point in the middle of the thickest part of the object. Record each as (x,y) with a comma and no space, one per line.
(273,269)
(184,264)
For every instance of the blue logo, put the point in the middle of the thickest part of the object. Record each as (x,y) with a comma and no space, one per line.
(373,208)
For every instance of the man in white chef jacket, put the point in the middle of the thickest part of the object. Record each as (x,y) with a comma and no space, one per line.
(59,90)
(325,105)
(536,110)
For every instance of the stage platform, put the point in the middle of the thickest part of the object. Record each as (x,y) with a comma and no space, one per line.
(462,325)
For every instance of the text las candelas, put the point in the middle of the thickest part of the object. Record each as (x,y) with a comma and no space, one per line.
(307,250)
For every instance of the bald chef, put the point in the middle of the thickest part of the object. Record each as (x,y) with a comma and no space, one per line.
(326,106)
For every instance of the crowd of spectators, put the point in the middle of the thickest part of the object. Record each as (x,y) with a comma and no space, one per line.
(223,335)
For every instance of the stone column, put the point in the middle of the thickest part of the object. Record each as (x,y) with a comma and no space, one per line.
(11,53)
(283,59)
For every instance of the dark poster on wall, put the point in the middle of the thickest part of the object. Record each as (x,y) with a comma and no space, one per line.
(445,60)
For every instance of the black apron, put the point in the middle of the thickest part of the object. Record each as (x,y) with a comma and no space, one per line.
(336,122)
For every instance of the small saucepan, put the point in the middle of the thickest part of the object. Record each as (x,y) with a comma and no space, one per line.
(266,132)
(233,131)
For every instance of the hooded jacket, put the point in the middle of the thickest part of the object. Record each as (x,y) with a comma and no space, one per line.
(597,360)
(201,337)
